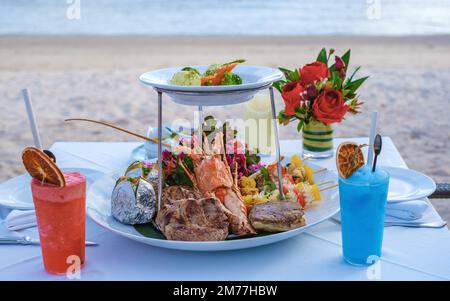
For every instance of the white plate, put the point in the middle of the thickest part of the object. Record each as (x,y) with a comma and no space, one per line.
(253,79)
(16,192)
(99,209)
(407,184)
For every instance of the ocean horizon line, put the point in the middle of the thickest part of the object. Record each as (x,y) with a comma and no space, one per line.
(281,36)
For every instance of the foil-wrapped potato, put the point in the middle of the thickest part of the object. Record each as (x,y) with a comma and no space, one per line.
(133,201)
(144,170)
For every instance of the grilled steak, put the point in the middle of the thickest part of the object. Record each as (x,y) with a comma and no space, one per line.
(277,216)
(173,193)
(193,220)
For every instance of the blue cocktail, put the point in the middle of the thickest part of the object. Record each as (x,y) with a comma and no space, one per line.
(363,198)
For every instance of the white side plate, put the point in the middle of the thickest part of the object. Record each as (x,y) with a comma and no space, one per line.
(16,192)
(253,77)
(407,184)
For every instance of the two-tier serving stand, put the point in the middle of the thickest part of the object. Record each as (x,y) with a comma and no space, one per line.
(202,94)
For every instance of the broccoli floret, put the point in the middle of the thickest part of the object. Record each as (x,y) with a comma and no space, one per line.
(190,69)
(231,79)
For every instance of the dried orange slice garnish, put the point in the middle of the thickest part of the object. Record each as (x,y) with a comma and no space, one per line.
(349,158)
(41,167)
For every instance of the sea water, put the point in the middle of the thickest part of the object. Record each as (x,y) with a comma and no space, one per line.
(229,18)
(363,198)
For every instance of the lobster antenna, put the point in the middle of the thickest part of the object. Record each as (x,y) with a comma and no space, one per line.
(153,140)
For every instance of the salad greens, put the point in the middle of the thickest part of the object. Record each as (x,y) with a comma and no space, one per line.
(191,70)
(214,75)
(231,79)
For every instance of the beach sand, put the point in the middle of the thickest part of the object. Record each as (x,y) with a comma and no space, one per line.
(97,77)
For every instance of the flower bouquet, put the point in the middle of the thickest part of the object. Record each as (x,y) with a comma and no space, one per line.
(318,95)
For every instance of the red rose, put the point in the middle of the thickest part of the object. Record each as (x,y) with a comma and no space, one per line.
(313,72)
(291,96)
(329,106)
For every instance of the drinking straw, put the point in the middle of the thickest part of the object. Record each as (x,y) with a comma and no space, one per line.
(373,132)
(32,118)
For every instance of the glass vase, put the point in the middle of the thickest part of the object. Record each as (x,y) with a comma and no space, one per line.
(317,140)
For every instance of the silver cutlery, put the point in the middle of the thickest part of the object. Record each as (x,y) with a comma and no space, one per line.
(27,240)
(437,224)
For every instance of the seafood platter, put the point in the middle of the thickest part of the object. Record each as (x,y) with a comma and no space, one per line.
(208,191)
(216,195)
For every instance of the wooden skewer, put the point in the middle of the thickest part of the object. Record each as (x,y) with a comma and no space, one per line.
(154,140)
(320,170)
(329,187)
(323,183)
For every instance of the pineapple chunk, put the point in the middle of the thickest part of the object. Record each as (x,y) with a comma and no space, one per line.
(296,161)
(315,191)
(248,199)
(309,174)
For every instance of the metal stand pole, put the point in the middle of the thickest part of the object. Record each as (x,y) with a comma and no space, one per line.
(160,163)
(200,125)
(277,143)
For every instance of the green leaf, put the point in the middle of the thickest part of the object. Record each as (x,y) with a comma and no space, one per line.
(353,74)
(148,230)
(345,92)
(283,119)
(270,186)
(354,85)
(265,173)
(189,163)
(279,85)
(251,159)
(289,74)
(285,71)
(300,125)
(330,53)
(322,57)
(336,80)
(295,75)
(346,58)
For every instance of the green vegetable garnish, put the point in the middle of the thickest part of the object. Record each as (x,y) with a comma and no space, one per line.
(177,175)
(238,61)
(211,69)
(252,158)
(231,79)
(269,186)
(190,69)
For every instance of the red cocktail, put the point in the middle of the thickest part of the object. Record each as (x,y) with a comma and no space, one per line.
(60,213)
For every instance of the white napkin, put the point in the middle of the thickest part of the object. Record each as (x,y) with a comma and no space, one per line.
(20,219)
(417,211)
(408,210)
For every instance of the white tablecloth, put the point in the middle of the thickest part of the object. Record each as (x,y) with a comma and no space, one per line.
(408,253)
